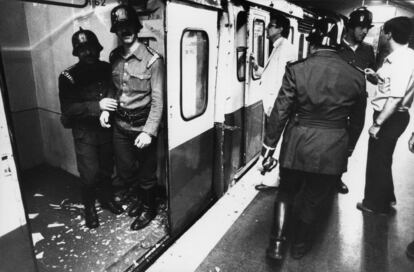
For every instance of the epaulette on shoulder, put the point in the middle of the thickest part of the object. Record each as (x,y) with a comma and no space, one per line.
(114,52)
(155,56)
(67,74)
(296,62)
(356,67)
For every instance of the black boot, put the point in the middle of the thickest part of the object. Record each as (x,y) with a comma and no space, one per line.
(149,209)
(302,242)
(277,246)
(106,198)
(88,198)
(136,206)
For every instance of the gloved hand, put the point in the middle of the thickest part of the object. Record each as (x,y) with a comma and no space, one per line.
(268,164)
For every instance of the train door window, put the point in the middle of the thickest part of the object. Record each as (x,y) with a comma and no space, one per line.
(241,49)
(301,46)
(194,73)
(241,63)
(258,42)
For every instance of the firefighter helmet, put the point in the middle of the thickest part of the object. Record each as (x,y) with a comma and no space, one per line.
(327,32)
(84,38)
(124,15)
(360,17)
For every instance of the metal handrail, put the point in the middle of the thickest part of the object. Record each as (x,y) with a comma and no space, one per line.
(49,2)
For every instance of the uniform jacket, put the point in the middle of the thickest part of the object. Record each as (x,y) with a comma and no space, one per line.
(322,100)
(81,87)
(139,80)
(363,57)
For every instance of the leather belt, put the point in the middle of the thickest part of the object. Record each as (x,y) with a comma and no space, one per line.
(321,123)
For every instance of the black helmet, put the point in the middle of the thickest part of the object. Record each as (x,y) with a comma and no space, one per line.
(82,38)
(124,15)
(360,17)
(327,32)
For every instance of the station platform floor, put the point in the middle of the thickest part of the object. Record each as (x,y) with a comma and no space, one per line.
(233,235)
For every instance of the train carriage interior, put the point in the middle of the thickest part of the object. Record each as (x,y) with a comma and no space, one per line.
(209,140)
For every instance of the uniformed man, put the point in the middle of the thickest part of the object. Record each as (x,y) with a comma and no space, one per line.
(138,74)
(355,51)
(317,97)
(82,91)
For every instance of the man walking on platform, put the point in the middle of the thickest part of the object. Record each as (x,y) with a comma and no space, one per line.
(320,97)
(356,52)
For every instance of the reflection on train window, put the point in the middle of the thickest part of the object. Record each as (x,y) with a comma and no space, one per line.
(301,45)
(259,42)
(241,63)
(194,73)
(292,35)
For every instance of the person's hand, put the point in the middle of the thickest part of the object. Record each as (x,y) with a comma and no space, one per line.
(143,140)
(411,143)
(253,62)
(104,119)
(108,104)
(373,131)
(373,77)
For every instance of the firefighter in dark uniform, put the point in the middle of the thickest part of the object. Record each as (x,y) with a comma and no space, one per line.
(138,74)
(356,52)
(82,91)
(317,97)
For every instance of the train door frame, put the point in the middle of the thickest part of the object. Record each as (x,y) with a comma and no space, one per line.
(254,116)
(190,152)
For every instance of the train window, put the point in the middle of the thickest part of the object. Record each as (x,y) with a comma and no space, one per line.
(292,35)
(194,73)
(258,47)
(301,45)
(241,63)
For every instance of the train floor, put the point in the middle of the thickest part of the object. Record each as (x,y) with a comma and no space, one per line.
(61,240)
(234,234)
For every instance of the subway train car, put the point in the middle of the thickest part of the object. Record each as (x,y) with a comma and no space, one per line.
(209,141)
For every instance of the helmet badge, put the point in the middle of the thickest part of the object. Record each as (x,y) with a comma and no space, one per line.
(82,38)
(361,18)
(121,14)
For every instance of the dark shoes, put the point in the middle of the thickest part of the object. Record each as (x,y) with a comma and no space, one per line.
(262,187)
(360,206)
(410,250)
(144,218)
(342,188)
(302,240)
(299,250)
(276,250)
(135,208)
(113,207)
(91,217)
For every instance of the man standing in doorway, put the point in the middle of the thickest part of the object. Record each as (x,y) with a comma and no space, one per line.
(313,111)
(391,102)
(138,74)
(82,91)
(356,52)
(283,52)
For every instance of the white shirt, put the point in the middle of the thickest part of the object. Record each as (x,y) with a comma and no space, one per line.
(398,74)
(272,74)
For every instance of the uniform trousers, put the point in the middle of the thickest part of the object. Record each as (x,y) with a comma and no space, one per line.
(94,158)
(379,185)
(136,167)
(307,192)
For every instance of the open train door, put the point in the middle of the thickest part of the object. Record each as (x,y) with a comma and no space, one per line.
(258,45)
(191,71)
